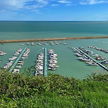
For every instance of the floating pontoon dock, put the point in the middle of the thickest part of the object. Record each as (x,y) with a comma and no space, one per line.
(15,63)
(45,73)
(101,65)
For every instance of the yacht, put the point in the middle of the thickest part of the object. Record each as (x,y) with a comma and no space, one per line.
(16,71)
(52,60)
(13,58)
(26,53)
(18,52)
(19,66)
(84,59)
(91,63)
(7,65)
(99,58)
(104,62)
(32,44)
(20,62)
(27,43)
(39,64)
(64,43)
(78,54)
(2,53)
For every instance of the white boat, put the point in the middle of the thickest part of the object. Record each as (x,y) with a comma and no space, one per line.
(39,64)
(52,62)
(2,53)
(83,59)
(16,71)
(20,62)
(26,53)
(19,66)
(104,62)
(91,63)
(32,44)
(18,52)
(51,51)
(28,43)
(13,58)
(7,65)
(78,55)
(39,44)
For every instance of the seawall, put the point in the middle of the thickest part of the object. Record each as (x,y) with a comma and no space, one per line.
(52,39)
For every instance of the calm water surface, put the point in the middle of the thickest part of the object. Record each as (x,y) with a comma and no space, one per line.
(68,63)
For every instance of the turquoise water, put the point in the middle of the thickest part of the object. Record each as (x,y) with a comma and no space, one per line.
(68,63)
(22,30)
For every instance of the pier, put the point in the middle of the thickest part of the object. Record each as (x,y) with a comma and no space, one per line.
(101,65)
(45,73)
(15,63)
(52,39)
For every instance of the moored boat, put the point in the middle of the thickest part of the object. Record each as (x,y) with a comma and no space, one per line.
(2,53)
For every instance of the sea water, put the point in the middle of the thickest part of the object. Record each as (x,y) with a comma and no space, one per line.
(69,66)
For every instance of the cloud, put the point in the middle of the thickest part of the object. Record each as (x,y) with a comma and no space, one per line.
(8,4)
(33,4)
(65,1)
(29,4)
(20,4)
(92,2)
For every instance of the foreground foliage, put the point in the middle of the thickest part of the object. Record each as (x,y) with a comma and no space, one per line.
(54,91)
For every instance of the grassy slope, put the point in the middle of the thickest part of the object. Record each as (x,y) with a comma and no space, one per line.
(54,91)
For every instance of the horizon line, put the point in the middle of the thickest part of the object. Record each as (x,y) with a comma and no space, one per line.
(56,21)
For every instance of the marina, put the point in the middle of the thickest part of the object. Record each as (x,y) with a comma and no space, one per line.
(90,58)
(45,68)
(52,60)
(17,60)
(51,64)
(54,54)
(39,65)
(45,61)
(60,37)
(11,59)
(98,49)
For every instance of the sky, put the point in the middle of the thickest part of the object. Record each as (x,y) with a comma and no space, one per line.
(54,10)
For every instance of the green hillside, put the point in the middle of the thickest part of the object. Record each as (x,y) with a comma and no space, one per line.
(54,91)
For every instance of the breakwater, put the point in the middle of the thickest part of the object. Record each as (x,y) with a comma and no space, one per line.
(52,39)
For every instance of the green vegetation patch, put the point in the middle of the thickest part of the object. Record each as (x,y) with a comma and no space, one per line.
(54,91)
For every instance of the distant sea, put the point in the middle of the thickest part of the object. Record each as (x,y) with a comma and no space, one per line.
(68,64)
(43,29)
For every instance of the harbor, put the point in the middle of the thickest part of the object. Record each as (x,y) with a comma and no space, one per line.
(19,61)
(55,57)
(89,59)
(53,53)
(46,60)
(16,62)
